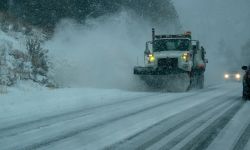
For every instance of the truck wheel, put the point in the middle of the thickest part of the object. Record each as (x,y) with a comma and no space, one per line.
(194,81)
(200,81)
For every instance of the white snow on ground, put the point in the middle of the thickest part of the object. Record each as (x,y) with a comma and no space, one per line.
(248,145)
(107,116)
(29,101)
(231,133)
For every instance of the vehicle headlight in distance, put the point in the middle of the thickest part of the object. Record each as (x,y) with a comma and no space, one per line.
(237,76)
(185,57)
(151,58)
(226,76)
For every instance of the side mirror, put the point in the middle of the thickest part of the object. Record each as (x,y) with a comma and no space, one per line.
(244,67)
(147,52)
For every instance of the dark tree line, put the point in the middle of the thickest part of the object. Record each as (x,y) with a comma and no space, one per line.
(3,5)
(46,13)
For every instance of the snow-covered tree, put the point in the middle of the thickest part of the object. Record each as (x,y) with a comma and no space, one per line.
(39,60)
(21,65)
(3,66)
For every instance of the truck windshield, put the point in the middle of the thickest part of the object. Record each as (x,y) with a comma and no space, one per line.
(171,44)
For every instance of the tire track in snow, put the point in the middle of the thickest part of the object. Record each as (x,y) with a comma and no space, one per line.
(46,121)
(204,138)
(109,121)
(243,140)
(173,142)
(190,115)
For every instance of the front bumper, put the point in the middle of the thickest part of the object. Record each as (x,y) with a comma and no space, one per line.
(156,71)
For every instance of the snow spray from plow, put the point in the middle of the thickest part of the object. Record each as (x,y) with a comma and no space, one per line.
(101,53)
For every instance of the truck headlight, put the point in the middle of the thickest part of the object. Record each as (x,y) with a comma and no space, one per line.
(185,57)
(151,58)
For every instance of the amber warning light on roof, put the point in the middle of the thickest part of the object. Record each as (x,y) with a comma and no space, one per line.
(188,33)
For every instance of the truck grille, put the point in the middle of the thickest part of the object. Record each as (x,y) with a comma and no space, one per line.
(169,63)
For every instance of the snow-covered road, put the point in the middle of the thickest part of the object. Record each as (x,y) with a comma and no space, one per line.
(212,118)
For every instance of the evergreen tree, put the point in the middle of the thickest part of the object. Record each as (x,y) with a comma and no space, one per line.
(3,5)
(46,13)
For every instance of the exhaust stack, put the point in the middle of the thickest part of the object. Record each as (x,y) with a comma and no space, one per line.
(153,35)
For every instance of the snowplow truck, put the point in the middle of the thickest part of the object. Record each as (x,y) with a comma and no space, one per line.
(173,62)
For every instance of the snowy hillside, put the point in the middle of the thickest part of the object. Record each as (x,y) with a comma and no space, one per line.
(22,57)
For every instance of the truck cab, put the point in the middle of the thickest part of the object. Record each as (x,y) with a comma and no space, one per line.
(174,54)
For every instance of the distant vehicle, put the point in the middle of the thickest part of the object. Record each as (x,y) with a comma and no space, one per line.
(233,76)
(246,83)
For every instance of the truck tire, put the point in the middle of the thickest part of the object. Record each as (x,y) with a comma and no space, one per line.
(200,81)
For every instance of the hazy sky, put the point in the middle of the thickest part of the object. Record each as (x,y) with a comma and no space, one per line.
(214,22)
(221,19)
